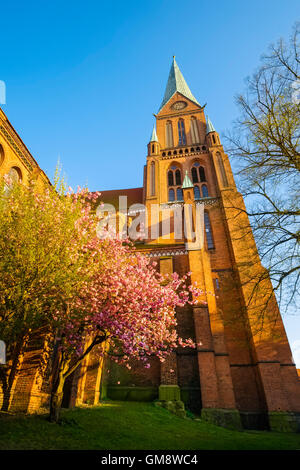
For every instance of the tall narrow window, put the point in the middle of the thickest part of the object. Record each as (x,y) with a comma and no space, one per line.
(178,177)
(179,194)
(194,131)
(169,135)
(198,173)
(170,178)
(196,192)
(15,174)
(175,182)
(1,155)
(202,173)
(171,195)
(208,232)
(222,170)
(152,179)
(204,190)
(194,175)
(181,132)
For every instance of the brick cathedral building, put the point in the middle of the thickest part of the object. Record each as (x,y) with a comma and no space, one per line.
(242,372)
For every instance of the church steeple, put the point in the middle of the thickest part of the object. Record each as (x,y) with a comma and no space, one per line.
(153,137)
(209,126)
(212,136)
(153,146)
(187,182)
(176,83)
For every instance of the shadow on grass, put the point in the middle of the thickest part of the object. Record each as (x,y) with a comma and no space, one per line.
(132,426)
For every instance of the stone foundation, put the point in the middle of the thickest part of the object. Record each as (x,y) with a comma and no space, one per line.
(226,418)
(131,393)
(169,393)
(282,421)
(254,420)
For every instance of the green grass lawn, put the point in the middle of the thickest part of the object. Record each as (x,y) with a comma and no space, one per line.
(130,425)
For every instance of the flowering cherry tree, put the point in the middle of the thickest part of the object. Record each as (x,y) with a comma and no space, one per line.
(128,305)
(43,264)
(56,274)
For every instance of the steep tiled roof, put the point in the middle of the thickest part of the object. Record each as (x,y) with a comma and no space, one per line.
(134,196)
(176,83)
(153,137)
(209,126)
(187,182)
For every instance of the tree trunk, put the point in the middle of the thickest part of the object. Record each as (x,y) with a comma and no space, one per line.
(5,389)
(56,400)
(58,388)
(64,369)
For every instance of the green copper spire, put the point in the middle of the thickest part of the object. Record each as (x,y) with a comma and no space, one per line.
(153,137)
(187,182)
(175,83)
(209,126)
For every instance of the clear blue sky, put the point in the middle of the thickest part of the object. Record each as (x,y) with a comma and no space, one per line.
(84,78)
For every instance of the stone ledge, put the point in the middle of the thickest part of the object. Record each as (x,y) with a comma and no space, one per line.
(284,421)
(222,417)
(255,420)
(169,393)
(124,393)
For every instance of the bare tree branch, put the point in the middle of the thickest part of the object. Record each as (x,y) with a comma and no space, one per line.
(266,145)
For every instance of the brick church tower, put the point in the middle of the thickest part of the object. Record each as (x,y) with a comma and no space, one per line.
(243,371)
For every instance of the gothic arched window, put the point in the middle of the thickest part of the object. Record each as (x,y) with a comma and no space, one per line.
(15,174)
(208,232)
(178,177)
(195,175)
(196,192)
(1,155)
(198,173)
(181,132)
(204,190)
(169,134)
(202,173)
(170,178)
(194,131)
(179,194)
(171,195)
(174,182)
